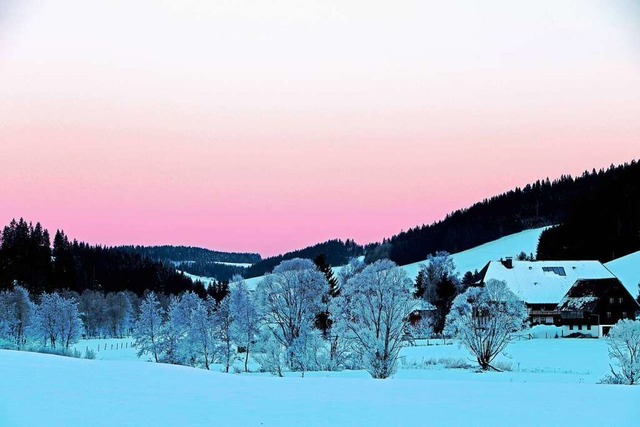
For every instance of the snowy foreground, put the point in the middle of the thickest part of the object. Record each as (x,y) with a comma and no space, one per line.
(552,382)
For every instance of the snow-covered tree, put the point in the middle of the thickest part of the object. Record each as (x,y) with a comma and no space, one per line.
(171,335)
(16,313)
(355,266)
(181,323)
(483,319)
(93,311)
(119,314)
(290,299)
(57,320)
(200,337)
(147,328)
(624,348)
(223,321)
(438,285)
(246,319)
(372,314)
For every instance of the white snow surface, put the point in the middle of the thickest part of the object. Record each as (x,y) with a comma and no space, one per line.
(206,281)
(627,269)
(476,258)
(552,380)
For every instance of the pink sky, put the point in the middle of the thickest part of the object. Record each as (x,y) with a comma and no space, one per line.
(267,127)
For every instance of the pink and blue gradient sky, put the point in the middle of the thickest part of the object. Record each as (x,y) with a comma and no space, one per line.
(267,126)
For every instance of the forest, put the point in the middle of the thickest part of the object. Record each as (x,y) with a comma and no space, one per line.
(603,203)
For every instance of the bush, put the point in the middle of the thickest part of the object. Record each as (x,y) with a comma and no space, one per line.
(89,354)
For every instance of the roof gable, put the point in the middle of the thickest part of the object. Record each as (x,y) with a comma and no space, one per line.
(585,295)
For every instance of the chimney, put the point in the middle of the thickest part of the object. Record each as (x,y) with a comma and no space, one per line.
(507,262)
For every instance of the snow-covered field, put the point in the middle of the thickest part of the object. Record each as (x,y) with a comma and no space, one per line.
(476,258)
(552,383)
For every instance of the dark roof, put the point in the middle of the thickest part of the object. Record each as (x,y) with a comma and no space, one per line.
(585,294)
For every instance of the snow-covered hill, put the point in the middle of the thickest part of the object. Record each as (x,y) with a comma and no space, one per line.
(476,258)
(45,390)
(627,269)
(472,259)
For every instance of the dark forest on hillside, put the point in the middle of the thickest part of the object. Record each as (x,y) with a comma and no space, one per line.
(27,256)
(336,252)
(603,224)
(539,204)
(197,261)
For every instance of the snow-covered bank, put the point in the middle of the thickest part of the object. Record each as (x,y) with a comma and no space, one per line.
(47,390)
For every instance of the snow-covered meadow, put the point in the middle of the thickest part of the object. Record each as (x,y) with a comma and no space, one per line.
(552,381)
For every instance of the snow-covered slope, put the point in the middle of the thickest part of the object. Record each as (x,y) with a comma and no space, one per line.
(474,258)
(627,269)
(44,390)
(206,281)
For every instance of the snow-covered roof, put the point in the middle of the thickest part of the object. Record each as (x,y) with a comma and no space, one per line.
(627,269)
(542,282)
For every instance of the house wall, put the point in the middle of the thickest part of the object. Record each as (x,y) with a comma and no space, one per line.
(595,331)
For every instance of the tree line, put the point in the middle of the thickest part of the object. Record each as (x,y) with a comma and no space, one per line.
(27,257)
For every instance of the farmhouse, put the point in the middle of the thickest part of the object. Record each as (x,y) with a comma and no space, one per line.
(593,306)
(574,294)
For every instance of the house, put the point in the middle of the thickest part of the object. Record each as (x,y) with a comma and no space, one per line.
(592,306)
(542,285)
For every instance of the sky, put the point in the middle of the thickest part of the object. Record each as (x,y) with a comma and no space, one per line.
(269,125)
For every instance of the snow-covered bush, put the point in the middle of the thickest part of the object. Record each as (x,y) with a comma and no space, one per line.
(272,357)
(483,319)
(624,348)
(371,313)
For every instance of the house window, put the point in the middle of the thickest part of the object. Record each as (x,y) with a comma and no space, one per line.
(612,300)
(608,315)
(556,270)
(620,300)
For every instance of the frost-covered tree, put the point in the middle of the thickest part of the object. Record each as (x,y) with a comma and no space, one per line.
(483,319)
(290,298)
(246,318)
(93,311)
(624,348)
(57,320)
(16,315)
(372,314)
(223,322)
(355,266)
(200,337)
(147,328)
(119,314)
(170,334)
(181,322)
(438,285)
